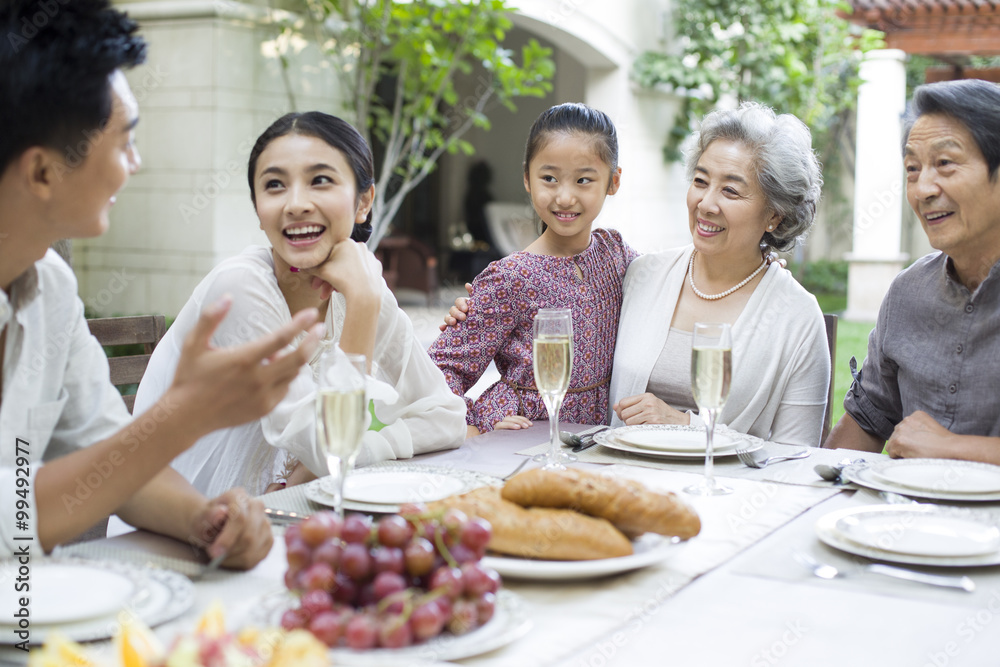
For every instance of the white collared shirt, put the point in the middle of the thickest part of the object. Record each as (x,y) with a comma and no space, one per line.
(57,395)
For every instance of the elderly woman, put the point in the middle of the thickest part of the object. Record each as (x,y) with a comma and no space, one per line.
(755,183)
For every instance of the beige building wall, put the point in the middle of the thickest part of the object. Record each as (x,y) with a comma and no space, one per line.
(206,92)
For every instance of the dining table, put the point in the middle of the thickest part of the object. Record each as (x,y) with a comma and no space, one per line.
(738,593)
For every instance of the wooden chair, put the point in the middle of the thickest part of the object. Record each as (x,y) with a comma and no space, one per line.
(408,263)
(145,330)
(831,341)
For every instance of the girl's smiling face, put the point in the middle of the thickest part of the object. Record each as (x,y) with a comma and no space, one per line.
(306,198)
(568,181)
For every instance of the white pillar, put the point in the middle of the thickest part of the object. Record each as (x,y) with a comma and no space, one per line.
(876,258)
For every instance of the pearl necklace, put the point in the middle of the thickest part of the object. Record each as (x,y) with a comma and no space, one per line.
(720,295)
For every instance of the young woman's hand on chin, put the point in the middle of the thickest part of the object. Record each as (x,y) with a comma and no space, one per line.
(648,409)
(352,270)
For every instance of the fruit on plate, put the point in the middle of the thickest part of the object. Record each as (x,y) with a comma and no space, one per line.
(400,581)
(209,645)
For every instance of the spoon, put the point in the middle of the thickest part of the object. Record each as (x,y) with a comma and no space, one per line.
(570,439)
(832,473)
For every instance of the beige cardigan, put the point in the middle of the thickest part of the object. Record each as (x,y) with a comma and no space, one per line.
(781,362)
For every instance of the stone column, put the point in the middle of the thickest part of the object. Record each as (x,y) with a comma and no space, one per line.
(876,258)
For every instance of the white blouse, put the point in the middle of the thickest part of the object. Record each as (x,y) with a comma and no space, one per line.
(781,362)
(425,417)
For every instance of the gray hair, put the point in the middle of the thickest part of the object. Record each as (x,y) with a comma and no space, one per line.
(782,159)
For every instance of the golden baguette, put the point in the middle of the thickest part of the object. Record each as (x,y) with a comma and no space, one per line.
(550,534)
(628,504)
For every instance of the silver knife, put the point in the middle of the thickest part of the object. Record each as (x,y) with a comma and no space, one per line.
(281,516)
(963,583)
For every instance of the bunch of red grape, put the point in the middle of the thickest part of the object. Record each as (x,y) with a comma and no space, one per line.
(402,580)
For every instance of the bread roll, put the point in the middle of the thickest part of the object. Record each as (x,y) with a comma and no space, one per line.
(550,534)
(628,504)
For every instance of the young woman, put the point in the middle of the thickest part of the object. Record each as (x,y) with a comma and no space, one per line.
(311,182)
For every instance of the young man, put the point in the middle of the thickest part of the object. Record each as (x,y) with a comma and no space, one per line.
(928,386)
(66,148)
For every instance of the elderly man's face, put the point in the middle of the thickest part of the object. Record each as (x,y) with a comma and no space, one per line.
(949,188)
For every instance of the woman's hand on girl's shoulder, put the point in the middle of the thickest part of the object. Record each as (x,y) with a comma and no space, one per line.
(648,409)
(457,312)
(352,270)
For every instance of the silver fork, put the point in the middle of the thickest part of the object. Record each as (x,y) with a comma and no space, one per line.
(516,470)
(748,459)
(827,571)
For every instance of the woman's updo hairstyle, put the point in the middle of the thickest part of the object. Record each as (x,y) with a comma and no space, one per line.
(782,159)
(338,134)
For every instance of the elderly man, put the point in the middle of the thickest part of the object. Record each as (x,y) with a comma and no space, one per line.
(928,387)
(66,148)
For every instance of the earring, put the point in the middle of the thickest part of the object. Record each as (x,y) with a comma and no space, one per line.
(771,228)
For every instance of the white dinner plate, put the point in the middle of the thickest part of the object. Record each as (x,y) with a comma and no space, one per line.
(393,487)
(510,621)
(615,439)
(941,475)
(873,477)
(920,534)
(674,440)
(901,520)
(157,596)
(649,549)
(67,592)
(418,483)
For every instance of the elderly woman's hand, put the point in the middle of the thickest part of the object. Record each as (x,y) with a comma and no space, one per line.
(648,409)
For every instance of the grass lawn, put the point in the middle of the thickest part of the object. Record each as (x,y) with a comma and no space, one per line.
(852,341)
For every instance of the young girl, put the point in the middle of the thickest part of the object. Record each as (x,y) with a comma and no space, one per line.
(311,182)
(570,166)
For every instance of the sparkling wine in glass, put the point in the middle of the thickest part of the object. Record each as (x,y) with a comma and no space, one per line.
(552,360)
(341,416)
(711,373)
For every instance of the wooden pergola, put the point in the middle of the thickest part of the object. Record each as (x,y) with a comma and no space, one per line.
(950,30)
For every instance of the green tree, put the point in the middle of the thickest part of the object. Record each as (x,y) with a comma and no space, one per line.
(400,61)
(797,56)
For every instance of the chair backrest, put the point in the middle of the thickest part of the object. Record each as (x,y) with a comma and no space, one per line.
(831,341)
(145,330)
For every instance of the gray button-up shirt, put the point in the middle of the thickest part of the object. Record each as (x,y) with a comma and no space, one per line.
(936,348)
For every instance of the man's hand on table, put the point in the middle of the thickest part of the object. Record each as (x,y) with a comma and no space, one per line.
(235,524)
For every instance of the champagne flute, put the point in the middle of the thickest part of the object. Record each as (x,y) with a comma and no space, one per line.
(341,411)
(552,360)
(711,372)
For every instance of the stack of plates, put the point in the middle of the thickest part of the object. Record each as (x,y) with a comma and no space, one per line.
(939,479)
(84,599)
(675,441)
(913,534)
(385,488)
